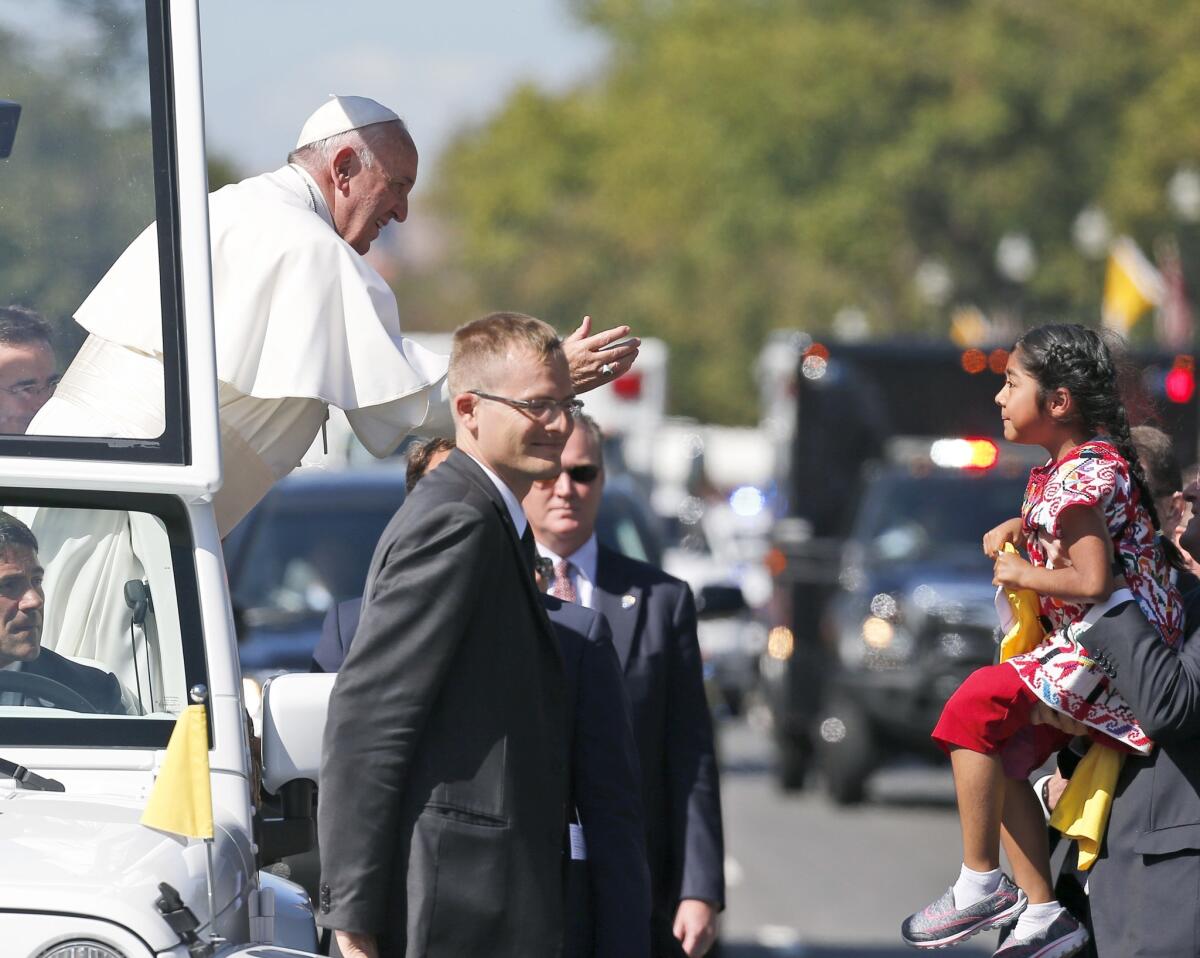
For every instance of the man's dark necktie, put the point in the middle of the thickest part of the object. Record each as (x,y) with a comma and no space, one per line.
(528,549)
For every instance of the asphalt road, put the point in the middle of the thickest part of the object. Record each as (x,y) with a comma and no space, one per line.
(810,880)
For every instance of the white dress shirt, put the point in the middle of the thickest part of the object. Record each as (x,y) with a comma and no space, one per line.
(510,498)
(583,568)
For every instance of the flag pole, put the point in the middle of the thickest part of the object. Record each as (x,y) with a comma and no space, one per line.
(199,696)
(212,898)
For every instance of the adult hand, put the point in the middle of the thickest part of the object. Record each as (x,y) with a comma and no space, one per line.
(591,364)
(353,944)
(695,926)
(1054,788)
(1042,714)
(1009,570)
(1008,531)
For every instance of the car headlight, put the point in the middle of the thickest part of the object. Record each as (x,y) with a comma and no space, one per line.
(81,949)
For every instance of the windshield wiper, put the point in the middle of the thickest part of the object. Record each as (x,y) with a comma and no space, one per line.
(31,780)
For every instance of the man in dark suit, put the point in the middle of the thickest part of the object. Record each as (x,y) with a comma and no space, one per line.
(607,881)
(1142,889)
(29,674)
(653,621)
(444,777)
(1141,892)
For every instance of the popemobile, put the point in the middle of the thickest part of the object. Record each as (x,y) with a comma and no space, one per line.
(114,845)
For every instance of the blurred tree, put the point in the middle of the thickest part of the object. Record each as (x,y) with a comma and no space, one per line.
(79,184)
(741,165)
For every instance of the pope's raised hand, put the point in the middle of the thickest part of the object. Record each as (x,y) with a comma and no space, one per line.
(600,358)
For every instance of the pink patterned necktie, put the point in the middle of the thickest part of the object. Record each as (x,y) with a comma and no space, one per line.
(563,587)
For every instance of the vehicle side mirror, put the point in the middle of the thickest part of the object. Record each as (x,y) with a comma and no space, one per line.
(10,112)
(718,601)
(294,707)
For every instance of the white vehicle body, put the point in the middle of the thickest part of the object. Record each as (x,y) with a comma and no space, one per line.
(78,867)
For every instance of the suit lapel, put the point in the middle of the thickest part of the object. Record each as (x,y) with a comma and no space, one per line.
(476,475)
(621,602)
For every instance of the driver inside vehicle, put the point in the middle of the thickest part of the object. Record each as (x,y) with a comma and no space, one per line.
(29,674)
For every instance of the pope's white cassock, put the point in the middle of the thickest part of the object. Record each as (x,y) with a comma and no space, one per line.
(302,323)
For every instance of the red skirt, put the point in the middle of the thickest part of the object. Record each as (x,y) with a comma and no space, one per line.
(989,714)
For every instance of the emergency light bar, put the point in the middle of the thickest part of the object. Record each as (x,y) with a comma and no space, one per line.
(964,453)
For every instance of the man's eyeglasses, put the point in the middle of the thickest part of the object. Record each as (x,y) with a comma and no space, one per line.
(541,410)
(32,390)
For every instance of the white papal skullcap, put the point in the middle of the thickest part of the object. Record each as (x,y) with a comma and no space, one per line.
(341,114)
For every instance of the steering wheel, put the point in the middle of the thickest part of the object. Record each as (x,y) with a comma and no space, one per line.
(40,687)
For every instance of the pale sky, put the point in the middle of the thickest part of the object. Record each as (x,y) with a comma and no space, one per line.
(267,65)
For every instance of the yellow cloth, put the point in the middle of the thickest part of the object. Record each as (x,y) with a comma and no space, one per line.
(181,799)
(1082,811)
(1026,632)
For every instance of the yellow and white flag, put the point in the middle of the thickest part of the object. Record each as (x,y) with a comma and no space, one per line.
(181,799)
(1131,286)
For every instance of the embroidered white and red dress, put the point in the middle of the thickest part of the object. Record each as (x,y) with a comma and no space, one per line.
(1060,671)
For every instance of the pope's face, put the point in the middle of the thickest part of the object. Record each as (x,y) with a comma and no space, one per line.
(515,445)
(563,509)
(21,602)
(27,378)
(375,196)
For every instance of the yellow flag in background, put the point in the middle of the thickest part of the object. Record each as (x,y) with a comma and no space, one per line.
(181,799)
(1131,286)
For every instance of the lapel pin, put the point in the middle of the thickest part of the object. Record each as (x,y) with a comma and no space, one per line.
(628,601)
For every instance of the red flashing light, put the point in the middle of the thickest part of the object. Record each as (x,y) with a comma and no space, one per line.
(998,361)
(629,386)
(820,350)
(974,361)
(1180,384)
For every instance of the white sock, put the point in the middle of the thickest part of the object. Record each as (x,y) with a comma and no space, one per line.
(1036,918)
(973,886)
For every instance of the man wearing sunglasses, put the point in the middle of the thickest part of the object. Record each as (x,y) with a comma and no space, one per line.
(653,620)
(28,373)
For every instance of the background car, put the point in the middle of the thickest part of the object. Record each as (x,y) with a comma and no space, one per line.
(914,612)
(305,547)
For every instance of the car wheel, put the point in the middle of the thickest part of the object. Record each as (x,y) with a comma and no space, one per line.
(846,751)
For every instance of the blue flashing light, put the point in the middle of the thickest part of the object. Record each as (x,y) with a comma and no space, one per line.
(747,501)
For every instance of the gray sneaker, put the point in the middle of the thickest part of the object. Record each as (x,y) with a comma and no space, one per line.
(1064,936)
(940,924)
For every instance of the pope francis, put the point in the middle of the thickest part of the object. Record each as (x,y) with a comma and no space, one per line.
(302,321)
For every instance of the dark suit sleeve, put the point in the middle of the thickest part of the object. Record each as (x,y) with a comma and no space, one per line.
(609,798)
(327,656)
(691,765)
(1162,686)
(413,622)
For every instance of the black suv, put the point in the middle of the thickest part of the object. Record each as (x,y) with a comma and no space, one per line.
(913,615)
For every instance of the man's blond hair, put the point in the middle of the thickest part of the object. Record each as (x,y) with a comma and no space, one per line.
(481,347)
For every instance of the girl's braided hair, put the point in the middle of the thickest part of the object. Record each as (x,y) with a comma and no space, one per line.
(1073,357)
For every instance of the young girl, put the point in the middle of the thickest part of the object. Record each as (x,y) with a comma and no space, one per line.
(1089,527)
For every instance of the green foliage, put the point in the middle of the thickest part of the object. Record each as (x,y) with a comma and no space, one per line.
(79,184)
(742,165)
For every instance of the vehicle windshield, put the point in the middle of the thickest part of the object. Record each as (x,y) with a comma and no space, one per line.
(85,168)
(99,617)
(906,517)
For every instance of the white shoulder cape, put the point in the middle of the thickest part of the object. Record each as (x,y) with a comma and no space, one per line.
(298,313)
